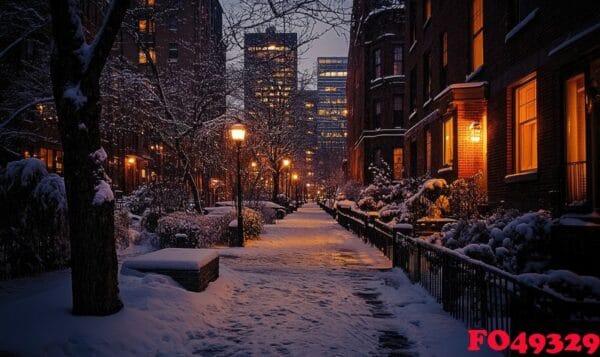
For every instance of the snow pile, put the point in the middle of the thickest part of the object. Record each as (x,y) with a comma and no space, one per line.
(33,220)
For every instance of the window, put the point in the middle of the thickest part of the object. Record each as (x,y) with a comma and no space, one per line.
(173,24)
(377,114)
(377,63)
(448,142)
(398,61)
(58,161)
(443,59)
(398,162)
(427,76)
(142,59)
(398,115)
(526,127)
(413,89)
(576,139)
(173,52)
(477,20)
(427,10)
(150,2)
(428,149)
(146,26)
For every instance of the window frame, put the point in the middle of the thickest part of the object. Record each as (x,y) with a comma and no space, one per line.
(518,128)
(377,64)
(448,144)
(398,68)
(476,34)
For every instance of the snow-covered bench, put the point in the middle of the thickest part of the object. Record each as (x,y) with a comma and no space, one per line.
(194,269)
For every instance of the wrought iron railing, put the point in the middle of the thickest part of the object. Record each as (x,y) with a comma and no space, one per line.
(480,295)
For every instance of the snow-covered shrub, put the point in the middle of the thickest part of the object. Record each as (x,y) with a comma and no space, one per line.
(33,219)
(565,283)
(253,223)
(150,220)
(160,196)
(466,197)
(283,200)
(121,229)
(191,230)
(351,191)
(519,242)
(268,215)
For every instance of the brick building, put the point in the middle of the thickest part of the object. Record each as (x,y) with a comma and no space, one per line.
(504,93)
(375,88)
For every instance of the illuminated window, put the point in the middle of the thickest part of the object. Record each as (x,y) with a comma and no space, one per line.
(377,63)
(398,163)
(428,150)
(58,161)
(142,59)
(477,34)
(143,25)
(526,126)
(397,61)
(576,139)
(150,2)
(448,142)
(427,9)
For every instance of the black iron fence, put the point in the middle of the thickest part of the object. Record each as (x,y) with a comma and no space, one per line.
(480,295)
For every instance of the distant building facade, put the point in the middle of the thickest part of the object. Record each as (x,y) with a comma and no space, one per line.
(331,106)
(270,69)
(375,88)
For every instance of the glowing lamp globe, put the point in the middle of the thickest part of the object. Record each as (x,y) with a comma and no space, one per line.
(238,132)
(286,162)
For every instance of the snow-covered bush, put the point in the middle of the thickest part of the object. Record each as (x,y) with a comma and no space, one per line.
(191,230)
(267,214)
(283,200)
(565,283)
(161,197)
(253,223)
(150,220)
(33,219)
(519,243)
(350,191)
(466,197)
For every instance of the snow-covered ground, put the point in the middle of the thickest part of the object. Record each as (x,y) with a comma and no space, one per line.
(307,288)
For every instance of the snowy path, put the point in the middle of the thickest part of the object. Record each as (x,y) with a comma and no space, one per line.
(307,288)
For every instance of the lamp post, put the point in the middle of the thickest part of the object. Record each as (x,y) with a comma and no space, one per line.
(295,178)
(238,134)
(287,163)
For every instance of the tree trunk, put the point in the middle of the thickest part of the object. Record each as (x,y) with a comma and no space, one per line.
(75,69)
(276,175)
(189,177)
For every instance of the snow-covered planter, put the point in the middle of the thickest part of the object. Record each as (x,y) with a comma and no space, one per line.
(33,220)
(190,230)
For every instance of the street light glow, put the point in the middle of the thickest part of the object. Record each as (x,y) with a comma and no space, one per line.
(238,132)
(286,162)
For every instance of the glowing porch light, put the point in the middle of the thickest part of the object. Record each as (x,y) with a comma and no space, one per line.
(238,132)
(475,129)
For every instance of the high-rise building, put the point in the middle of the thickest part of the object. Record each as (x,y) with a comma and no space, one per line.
(270,69)
(331,107)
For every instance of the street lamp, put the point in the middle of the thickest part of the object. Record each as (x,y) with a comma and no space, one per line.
(238,134)
(295,178)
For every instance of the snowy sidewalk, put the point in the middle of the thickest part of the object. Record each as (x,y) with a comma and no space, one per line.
(307,288)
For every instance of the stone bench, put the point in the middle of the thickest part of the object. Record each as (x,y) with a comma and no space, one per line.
(193,269)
